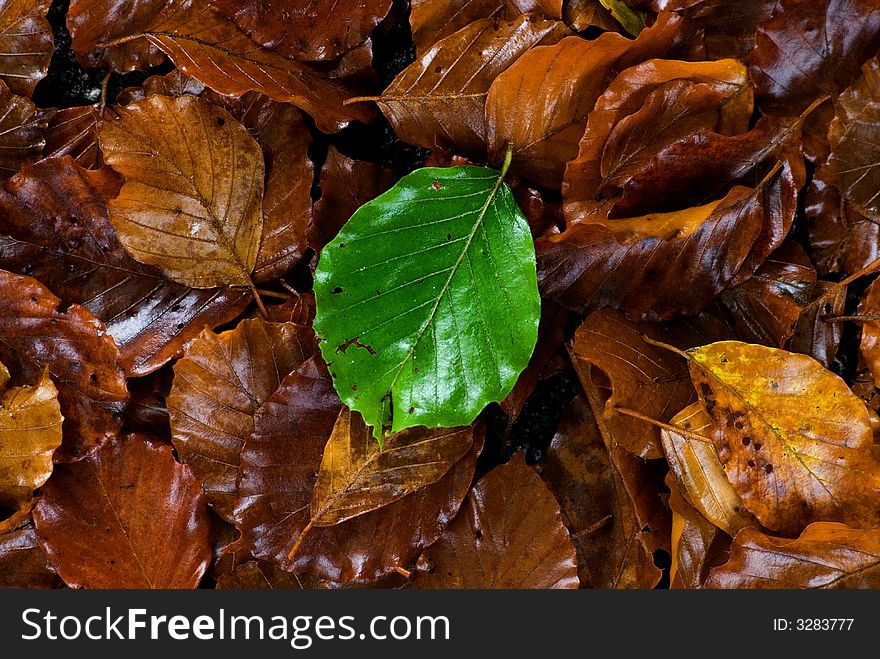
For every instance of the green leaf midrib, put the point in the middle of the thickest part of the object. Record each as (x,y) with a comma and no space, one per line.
(443,291)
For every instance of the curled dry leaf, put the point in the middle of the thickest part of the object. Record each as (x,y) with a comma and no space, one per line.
(794,441)
(611,358)
(211,49)
(540,104)
(357,477)
(22,563)
(83,360)
(697,471)
(56,229)
(26,44)
(94,24)
(219,384)
(310,30)
(439,100)
(22,131)
(508,534)
(191,201)
(129,516)
(825,555)
(595,505)
(30,431)
(854,163)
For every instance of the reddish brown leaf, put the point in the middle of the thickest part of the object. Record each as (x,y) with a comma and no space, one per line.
(74,132)
(595,506)
(540,104)
(870,344)
(809,48)
(95,23)
(439,100)
(57,230)
(22,131)
(826,555)
(813,334)
(310,30)
(128,516)
(213,50)
(728,26)
(22,563)
(79,353)
(692,539)
(854,163)
(26,44)
(508,534)
(345,184)
(218,386)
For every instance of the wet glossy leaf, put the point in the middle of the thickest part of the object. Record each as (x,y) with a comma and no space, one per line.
(22,131)
(95,23)
(26,44)
(81,357)
(541,103)
(22,563)
(809,48)
(311,30)
(795,442)
(191,201)
(439,99)
(695,466)
(693,537)
(74,132)
(219,385)
(30,431)
(56,229)
(356,477)
(147,511)
(395,292)
(632,21)
(508,534)
(854,164)
(825,555)
(210,48)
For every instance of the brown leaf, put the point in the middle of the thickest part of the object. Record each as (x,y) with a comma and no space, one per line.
(870,343)
(57,229)
(439,100)
(346,185)
(279,465)
(26,44)
(253,575)
(794,441)
(540,104)
(826,555)
(508,534)
(698,474)
(581,14)
(22,131)
(22,563)
(205,45)
(663,265)
(287,200)
(595,506)
(765,307)
(176,83)
(728,26)
(854,163)
(646,108)
(81,356)
(310,30)
(30,431)
(609,354)
(74,132)
(95,23)
(147,410)
(693,537)
(809,48)
(357,477)
(433,20)
(813,334)
(218,386)
(191,203)
(128,516)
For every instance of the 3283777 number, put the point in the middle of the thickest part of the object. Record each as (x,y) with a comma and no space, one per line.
(823,624)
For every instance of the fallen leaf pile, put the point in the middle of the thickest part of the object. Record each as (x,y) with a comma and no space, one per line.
(700,181)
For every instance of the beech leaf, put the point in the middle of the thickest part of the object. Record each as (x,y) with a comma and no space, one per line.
(192,200)
(26,44)
(357,477)
(409,294)
(30,431)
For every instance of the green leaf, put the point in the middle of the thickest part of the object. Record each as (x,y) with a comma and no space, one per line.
(631,20)
(427,300)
